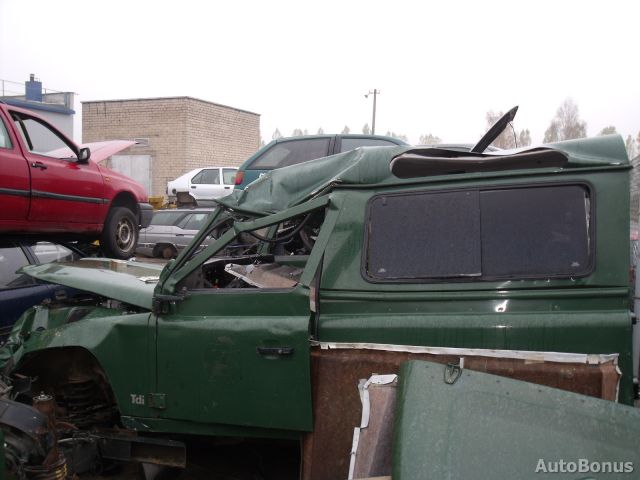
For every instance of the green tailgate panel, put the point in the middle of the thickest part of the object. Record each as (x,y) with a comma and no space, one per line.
(485,426)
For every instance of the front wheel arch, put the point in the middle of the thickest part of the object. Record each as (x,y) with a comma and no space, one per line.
(55,369)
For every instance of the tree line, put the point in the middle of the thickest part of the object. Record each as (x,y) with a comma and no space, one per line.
(566,124)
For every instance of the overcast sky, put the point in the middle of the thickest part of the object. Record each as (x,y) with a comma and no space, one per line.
(440,65)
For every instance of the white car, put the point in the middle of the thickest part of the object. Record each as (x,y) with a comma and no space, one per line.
(202,184)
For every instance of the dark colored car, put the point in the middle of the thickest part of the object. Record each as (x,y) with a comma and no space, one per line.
(284,152)
(18,291)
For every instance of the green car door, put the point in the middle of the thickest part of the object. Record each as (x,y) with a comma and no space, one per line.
(237,357)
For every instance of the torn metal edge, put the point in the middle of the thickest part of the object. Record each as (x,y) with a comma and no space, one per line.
(363,389)
(560,357)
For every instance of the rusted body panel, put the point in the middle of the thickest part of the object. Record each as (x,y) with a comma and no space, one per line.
(337,371)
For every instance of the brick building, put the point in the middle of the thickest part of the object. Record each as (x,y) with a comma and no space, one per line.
(174,135)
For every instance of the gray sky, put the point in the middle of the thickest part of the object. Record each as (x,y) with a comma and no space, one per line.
(439,65)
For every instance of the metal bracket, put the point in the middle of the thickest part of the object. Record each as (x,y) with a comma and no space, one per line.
(160,303)
(157,400)
(452,373)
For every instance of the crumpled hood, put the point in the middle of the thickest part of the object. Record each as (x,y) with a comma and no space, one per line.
(128,282)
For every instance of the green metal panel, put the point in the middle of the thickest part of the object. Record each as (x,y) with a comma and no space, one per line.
(124,281)
(485,426)
(579,315)
(120,344)
(211,371)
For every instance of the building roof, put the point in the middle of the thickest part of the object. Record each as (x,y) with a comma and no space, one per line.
(151,99)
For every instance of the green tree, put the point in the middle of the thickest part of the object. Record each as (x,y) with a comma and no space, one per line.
(429,139)
(524,139)
(320,131)
(631,147)
(366,130)
(567,124)
(608,130)
(552,133)
(508,138)
(276,135)
(346,130)
(401,136)
(297,132)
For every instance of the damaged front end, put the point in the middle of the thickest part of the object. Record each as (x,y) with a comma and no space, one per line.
(58,411)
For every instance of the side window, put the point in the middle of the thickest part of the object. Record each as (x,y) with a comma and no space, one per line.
(229,176)
(273,255)
(5,140)
(166,217)
(11,259)
(351,143)
(47,252)
(40,139)
(193,221)
(208,176)
(481,234)
(291,153)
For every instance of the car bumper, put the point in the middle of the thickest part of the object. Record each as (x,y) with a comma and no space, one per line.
(146,213)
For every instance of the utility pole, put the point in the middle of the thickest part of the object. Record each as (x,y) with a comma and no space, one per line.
(373,121)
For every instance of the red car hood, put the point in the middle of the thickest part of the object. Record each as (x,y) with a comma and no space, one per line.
(103,150)
(99,150)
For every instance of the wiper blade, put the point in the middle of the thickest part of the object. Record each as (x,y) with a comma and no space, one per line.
(495,131)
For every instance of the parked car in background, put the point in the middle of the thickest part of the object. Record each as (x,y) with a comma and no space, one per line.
(18,291)
(202,185)
(48,184)
(170,231)
(283,152)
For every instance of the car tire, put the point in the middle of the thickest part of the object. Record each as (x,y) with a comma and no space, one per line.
(120,234)
(167,252)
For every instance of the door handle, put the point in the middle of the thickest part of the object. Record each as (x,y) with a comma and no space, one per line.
(193,186)
(179,234)
(273,351)
(227,188)
(39,165)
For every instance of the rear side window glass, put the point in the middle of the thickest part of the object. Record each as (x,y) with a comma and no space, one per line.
(209,176)
(166,218)
(229,176)
(291,153)
(480,234)
(5,141)
(351,143)
(193,221)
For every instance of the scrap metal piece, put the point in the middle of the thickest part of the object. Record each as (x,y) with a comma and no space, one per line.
(271,275)
(337,367)
(371,449)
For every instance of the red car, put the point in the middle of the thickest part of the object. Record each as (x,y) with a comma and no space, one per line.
(48,184)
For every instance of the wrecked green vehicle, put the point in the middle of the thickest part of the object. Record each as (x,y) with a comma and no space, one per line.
(453,267)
